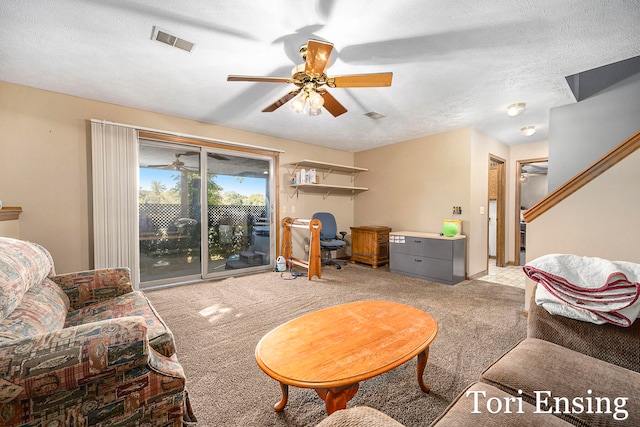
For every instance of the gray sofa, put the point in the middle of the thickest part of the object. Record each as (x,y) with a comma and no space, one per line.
(566,372)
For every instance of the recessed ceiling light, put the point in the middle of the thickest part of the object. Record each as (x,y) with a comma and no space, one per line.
(516,109)
(528,130)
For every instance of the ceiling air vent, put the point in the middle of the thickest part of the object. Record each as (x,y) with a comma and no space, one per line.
(164,37)
(374,115)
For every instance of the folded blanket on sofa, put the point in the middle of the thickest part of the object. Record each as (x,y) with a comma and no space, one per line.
(587,288)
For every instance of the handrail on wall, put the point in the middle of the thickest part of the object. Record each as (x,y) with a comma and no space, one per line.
(580,180)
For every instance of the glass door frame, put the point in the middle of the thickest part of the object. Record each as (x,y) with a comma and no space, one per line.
(202,145)
(272,206)
(170,280)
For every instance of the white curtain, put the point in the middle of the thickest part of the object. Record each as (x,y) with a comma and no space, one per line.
(115,197)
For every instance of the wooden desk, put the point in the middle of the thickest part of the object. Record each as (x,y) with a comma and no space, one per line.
(333,349)
(370,245)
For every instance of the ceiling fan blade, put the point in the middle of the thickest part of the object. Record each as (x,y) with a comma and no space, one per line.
(217,156)
(361,80)
(331,104)
(280,102)
(212,155)
(261,79)
(317,57)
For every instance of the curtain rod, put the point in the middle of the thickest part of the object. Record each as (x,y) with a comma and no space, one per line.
(185,135)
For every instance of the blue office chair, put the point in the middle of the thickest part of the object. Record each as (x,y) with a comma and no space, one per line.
(329,240)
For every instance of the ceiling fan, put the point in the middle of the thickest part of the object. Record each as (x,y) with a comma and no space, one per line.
(179,165)
(310,79)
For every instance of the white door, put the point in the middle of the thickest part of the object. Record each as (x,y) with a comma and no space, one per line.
(492,227)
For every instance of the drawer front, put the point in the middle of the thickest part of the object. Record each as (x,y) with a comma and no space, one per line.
(429,268)
(433,248)
(383,237)
(383,249)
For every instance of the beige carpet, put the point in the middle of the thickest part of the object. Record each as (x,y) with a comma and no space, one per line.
(217,325)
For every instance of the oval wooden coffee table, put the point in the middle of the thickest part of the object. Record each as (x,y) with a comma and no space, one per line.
(333,349)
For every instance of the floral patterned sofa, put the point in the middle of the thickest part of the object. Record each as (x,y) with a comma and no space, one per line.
(82,349)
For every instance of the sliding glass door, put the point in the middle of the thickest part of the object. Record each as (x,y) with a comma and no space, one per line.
(238,210)
(192,228)
(169,213)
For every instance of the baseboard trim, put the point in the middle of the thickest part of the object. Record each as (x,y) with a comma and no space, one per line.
(478,275)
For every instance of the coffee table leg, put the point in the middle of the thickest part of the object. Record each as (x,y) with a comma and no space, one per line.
(279,407)
(422,362)
(337,398)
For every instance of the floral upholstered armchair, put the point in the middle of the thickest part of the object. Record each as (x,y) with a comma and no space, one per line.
(82,349)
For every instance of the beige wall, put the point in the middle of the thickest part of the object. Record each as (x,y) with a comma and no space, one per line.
(45,157)
(414,185)
(481,148)
(598,220)
(10,228)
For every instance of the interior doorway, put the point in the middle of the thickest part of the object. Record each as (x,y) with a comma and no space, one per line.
(531,186)
(496,218)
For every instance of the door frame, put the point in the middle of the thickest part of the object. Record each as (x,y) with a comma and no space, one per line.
(202,145)
(272,207)
(518,184)
(500,209)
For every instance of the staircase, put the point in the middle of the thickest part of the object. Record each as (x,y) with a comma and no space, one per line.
(596,213)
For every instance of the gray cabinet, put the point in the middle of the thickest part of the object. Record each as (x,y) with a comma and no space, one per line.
(428,256)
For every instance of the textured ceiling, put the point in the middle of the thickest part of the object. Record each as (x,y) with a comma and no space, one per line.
(455,63)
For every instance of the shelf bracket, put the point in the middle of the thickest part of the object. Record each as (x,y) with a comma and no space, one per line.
(295,193)
(292,172)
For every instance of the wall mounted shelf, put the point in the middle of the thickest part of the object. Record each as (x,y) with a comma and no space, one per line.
(327,189)
(10,213)
(326,168)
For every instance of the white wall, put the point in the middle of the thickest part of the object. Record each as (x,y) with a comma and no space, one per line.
(579,134)
(492,228)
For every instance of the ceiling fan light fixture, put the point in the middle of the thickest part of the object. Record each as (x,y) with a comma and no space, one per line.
(315,111)
(299,101)
(528,130)
(310,77)
(516,109)
(316,101)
